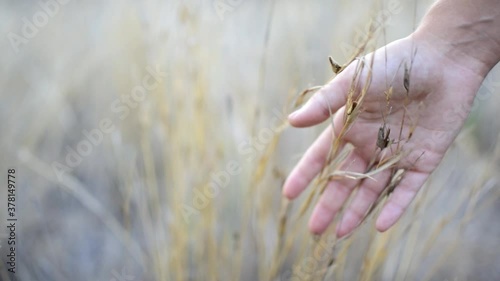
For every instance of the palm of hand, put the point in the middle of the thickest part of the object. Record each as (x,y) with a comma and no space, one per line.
(433,111)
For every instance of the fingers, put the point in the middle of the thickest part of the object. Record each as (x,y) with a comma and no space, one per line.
(367,194)
(328,99)
(400,199)
(335,195)
(309,166)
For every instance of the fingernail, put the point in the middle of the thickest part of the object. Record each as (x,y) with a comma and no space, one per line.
(296,113)
(293,114)
(345,228)
(299,111)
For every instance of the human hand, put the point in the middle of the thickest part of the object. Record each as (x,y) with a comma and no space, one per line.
(439,85)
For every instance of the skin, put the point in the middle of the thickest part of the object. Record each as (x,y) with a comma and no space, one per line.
(457,44)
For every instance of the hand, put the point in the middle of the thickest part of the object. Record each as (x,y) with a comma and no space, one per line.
(441,93)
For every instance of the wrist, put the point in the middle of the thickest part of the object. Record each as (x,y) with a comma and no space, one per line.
(463,34)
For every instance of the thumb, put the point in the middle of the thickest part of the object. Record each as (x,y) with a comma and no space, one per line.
(327,100)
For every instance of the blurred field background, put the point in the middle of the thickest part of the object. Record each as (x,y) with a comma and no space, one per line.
(139,206)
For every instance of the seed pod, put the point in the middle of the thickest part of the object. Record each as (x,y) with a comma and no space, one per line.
(406,81)
(383,137)
(352,107)
(337,68)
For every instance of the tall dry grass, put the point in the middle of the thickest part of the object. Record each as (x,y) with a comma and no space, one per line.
(188,185)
